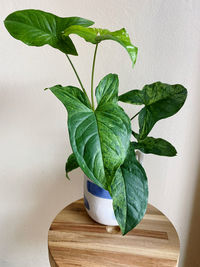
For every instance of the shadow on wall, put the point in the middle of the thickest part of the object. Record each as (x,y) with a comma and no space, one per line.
(192,257)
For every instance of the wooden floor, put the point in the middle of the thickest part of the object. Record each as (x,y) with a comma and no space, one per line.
(76,240)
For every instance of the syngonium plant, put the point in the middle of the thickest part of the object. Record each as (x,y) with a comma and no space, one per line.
(100,136)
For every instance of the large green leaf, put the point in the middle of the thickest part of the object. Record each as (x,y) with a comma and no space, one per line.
(71,164)
(37,28)
(96,35)
(161,101)
(157,146)
(99,138)
(129,190)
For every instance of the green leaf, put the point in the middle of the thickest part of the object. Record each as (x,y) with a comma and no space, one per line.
(107,90)
(100,138)
(38,28)
(161,101)
(129,190)
(96,35)
(157,146)
(136,135)
(71,164)
(135,97)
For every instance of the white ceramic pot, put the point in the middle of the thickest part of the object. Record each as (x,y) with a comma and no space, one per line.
(98,202)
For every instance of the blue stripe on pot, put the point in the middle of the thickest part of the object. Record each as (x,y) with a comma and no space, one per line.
(86,203)
(97,191)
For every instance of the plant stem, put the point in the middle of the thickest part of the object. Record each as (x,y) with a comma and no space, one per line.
(92,77)
(135,115)
(77,76)
(76,73)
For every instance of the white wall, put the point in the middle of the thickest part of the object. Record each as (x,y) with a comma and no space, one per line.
(33,137)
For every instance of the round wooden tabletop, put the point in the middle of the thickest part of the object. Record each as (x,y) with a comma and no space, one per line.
(74,239)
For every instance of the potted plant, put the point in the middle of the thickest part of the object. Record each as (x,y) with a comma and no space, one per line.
(100,135)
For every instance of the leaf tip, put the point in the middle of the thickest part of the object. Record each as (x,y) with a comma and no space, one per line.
(67,176)
(134,58)
(124,231)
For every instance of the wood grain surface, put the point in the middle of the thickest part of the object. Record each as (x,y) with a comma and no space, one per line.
(74,239)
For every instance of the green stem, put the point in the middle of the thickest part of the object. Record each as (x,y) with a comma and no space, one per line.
(135,115)
(92,77)
(77,76)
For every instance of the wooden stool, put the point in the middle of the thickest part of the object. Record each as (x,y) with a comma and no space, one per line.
(76,240)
